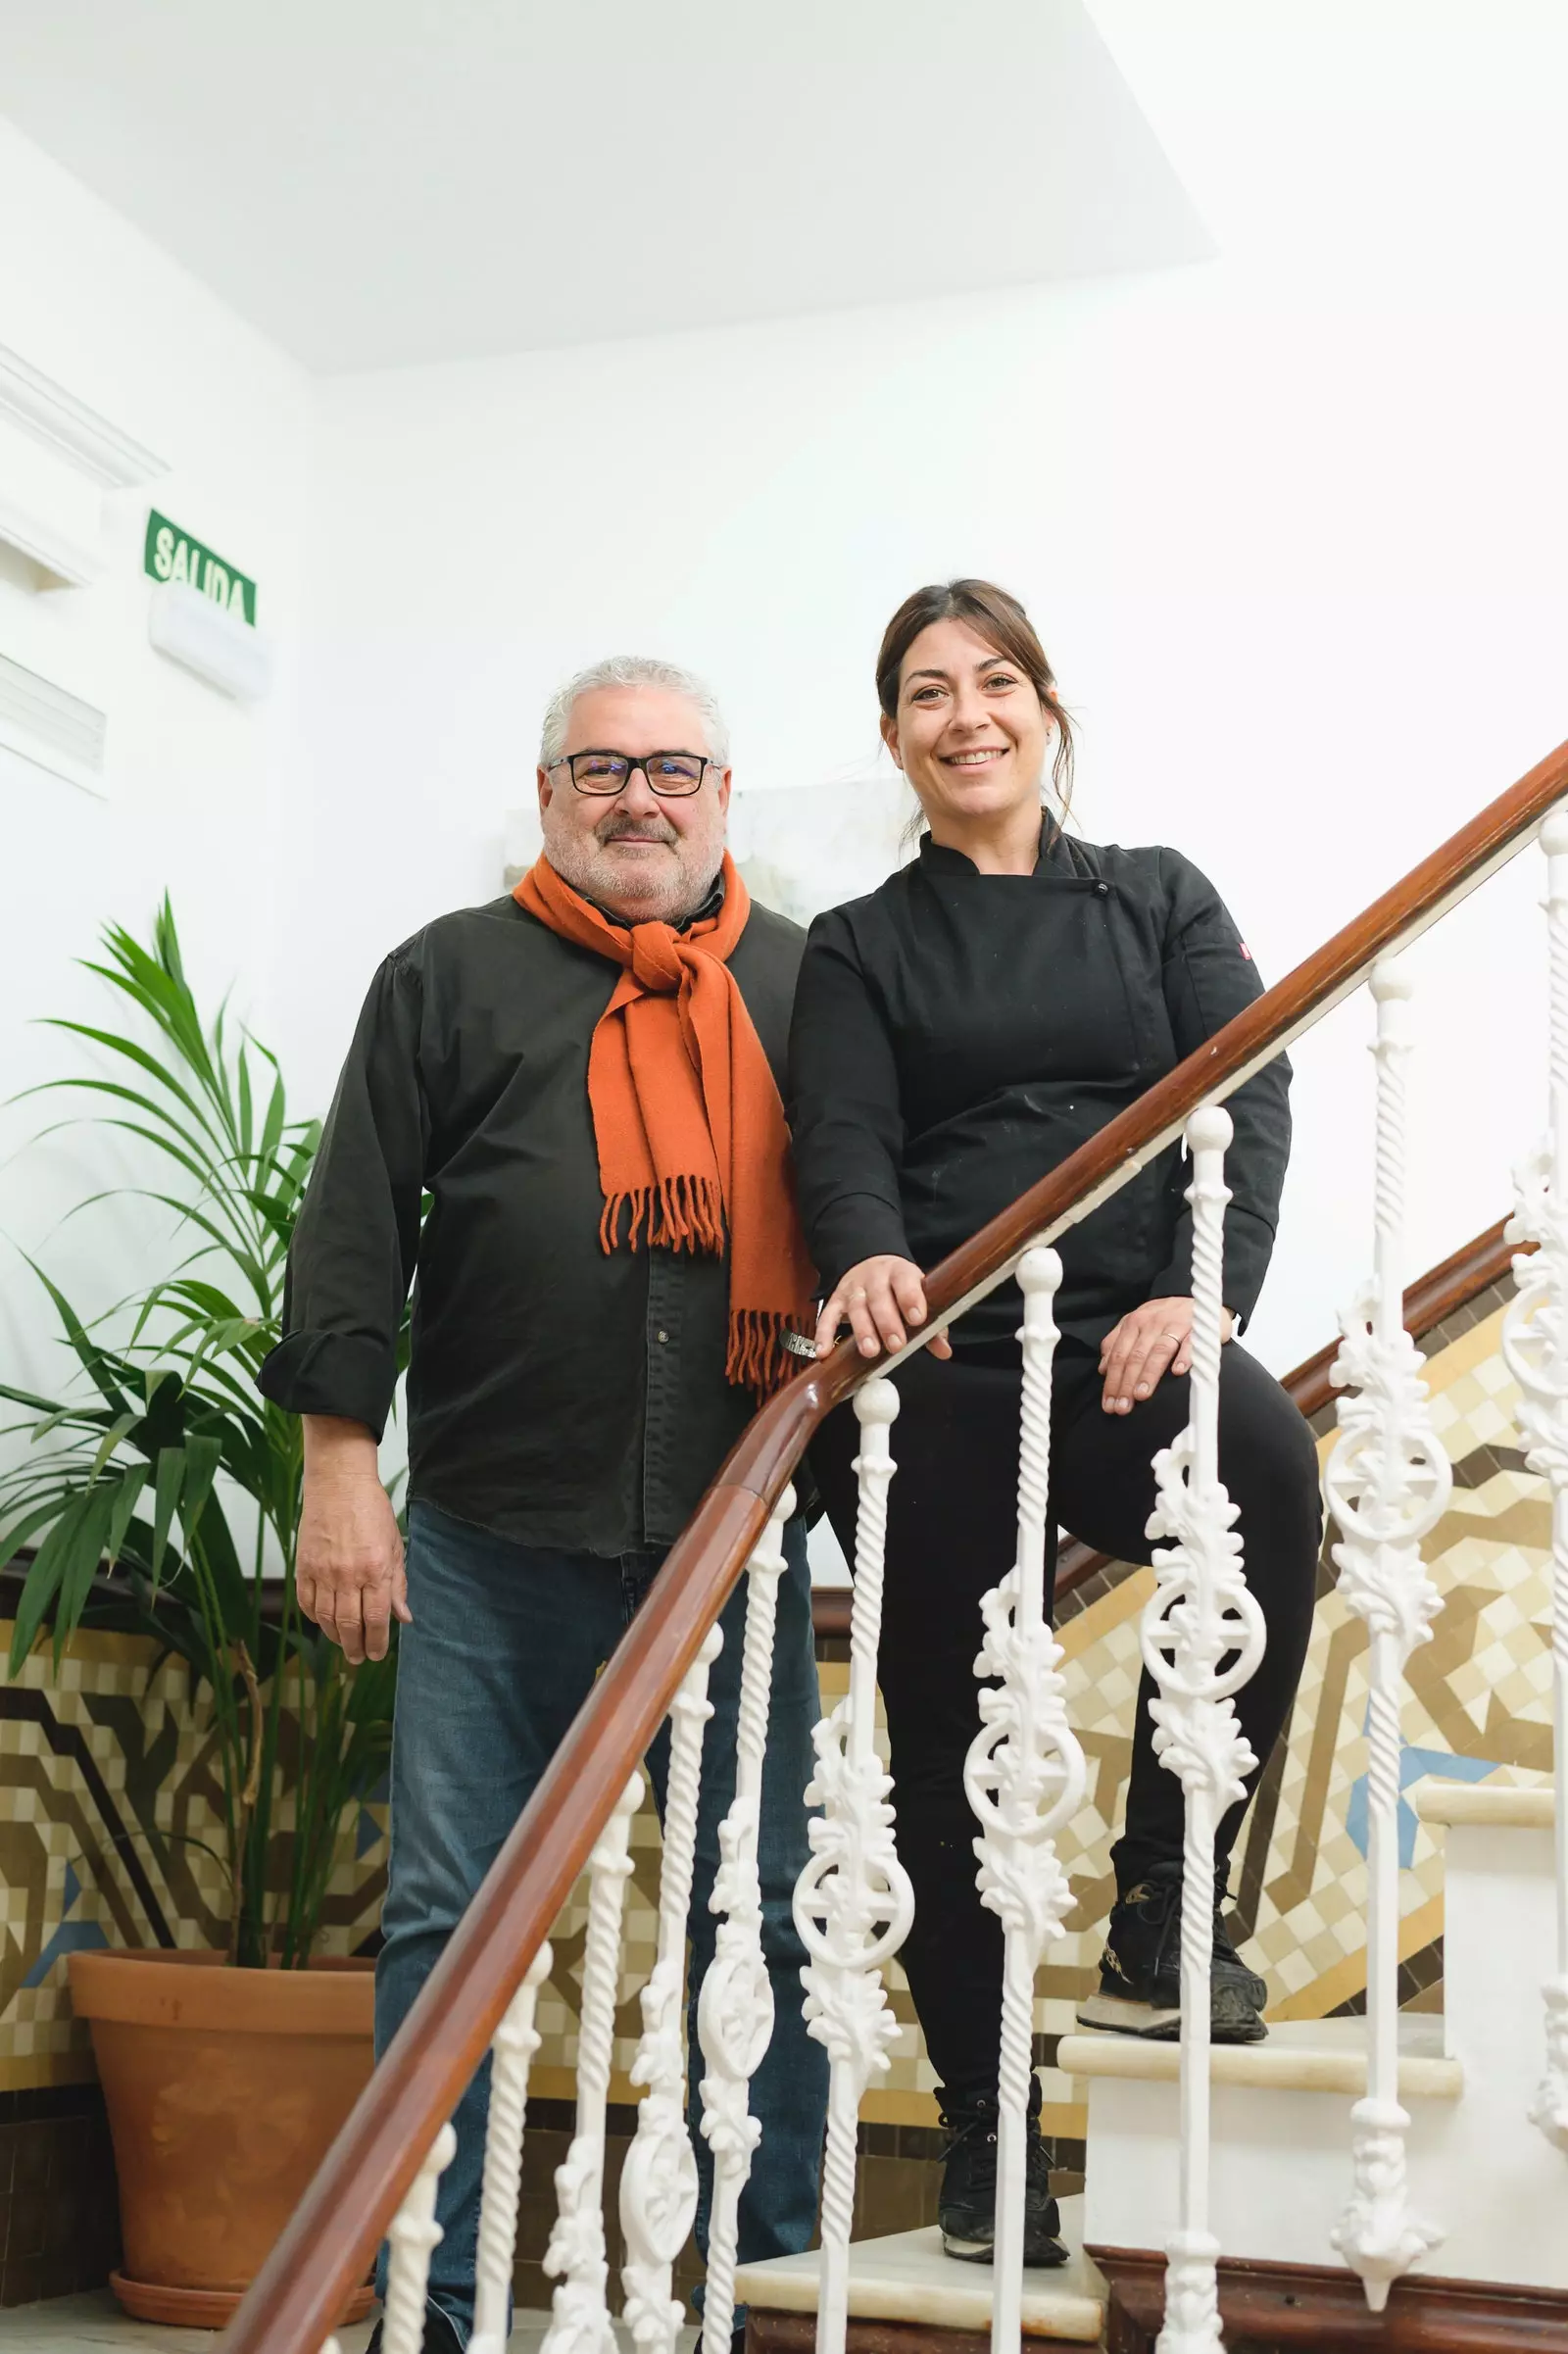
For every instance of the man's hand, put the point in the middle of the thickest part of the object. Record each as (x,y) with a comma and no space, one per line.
(880,1299)
(348,1564)
(1149,1343)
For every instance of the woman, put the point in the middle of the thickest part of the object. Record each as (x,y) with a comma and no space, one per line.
(956,1035)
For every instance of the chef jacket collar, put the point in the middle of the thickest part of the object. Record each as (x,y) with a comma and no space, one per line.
(938,859)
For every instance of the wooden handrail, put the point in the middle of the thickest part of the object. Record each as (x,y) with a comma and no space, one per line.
(306,2282)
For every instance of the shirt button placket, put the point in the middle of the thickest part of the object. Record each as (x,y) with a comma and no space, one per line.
(663,1389)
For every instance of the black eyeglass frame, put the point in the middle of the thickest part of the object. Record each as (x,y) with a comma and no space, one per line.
(599,751)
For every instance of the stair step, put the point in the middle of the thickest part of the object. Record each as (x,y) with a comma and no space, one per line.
(906,2277)
(1496,1805)
(1301,2055)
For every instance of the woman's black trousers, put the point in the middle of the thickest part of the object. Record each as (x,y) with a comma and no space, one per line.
(952,1532)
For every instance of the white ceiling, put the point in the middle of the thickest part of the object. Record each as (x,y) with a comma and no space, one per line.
(380,182)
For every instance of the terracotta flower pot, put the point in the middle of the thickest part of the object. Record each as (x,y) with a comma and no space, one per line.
(225,2090)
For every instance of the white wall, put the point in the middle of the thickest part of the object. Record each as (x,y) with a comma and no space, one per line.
(1288,522)
(192,783)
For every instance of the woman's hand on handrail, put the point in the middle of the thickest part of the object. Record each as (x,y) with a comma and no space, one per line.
(881,1299)
(1149,1343)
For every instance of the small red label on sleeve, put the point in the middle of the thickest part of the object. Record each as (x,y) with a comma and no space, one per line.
(1246,951)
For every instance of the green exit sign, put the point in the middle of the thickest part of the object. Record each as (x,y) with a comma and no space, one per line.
(174,555)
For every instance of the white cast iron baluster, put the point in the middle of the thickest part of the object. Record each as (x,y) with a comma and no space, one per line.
(1024,1777)
(576,2256)
(1200,1613)
(735,2008)
(414,2235)
(1535,1348)
(517,2039)
(853,1904)
(659,2181)
(1388,1483)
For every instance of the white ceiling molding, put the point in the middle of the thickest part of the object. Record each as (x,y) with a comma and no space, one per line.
(51,727)
(67,425)
(198,632)
(802,130)
(63,562)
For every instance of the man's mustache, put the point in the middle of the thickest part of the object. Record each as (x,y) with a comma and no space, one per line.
(644,829)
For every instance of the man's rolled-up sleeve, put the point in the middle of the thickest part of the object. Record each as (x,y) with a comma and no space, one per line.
(352,1257)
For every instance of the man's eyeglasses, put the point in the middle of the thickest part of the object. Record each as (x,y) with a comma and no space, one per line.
(670,774)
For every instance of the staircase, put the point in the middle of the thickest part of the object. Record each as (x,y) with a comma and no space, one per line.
(1281,2123)
(905,2280)
(1430,2151)
(1281,2120)
(1282,2109)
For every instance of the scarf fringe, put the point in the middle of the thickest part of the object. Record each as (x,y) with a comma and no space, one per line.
(679,1213)
(687,1213)
(758,1358)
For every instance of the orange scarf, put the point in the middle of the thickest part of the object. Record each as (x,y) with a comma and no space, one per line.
(687,1121)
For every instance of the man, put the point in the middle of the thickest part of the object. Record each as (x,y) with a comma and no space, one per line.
(605,1274)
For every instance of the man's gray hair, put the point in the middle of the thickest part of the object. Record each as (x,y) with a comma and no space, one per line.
(634,671)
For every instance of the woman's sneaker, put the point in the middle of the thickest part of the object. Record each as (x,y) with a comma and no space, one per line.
(1140,1970)
(967,2208)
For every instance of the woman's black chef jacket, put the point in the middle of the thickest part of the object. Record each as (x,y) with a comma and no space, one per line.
(956,1035)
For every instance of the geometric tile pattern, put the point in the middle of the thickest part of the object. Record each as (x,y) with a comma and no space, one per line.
(108,1834)
(105,1790)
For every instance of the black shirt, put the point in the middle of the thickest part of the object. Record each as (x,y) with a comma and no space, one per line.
(956,1035)
(558,1394)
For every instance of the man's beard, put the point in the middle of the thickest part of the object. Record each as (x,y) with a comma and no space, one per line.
(667,891)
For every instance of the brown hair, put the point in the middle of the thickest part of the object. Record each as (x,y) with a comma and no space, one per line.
(996,616)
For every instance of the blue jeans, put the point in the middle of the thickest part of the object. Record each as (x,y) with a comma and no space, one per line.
(504,1649)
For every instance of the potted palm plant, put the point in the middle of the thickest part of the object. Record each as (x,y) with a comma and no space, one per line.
(161,1490)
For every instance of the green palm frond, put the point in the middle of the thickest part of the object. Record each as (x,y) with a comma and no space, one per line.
(137,1471)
